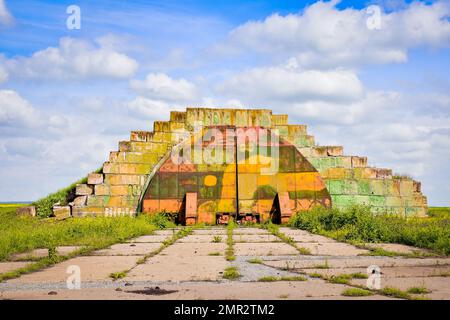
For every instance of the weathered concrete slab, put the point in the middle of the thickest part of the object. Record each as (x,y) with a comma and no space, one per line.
(264,249)
(204,290)
(92,268)
(11,266)
(150,238)
(356,262)
(255,238)
(128,249)
(331,248)
(179,268)
(212,231)
(191,250)
(439,286)
(41,253)
(250,231)
(203,238)
(398,248)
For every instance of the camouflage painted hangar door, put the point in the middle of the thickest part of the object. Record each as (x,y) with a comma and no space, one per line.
(254,170)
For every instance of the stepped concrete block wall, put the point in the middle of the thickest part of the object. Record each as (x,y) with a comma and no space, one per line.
(349,178)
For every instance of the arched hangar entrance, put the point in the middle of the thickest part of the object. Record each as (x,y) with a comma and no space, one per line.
(246,172)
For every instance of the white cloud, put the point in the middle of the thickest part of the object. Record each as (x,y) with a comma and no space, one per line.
(3,74)
(5,16)
(16,111)
(152,109)
(289,84)
(72,59)
(159,86)
(324,36)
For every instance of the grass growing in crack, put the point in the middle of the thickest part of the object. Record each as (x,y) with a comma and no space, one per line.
(283,296)
(118,275)
(268,279)
(322,266)
(357,292)
(359,275)
(231,273)
(315,275)
(418,290)
(229,252)
(283,278)
(394,292)
(274,230)
(217,239)
(340,279)
(255,261)
(216,253)
(293,278)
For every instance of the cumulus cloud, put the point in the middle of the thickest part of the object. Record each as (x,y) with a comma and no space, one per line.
(288,84)
(159,86)
(15,111)
(325,36)
(6,18)
(72,59)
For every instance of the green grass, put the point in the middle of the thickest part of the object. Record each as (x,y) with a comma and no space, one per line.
(358,224)
(118,275)
(274,230)
(268,279)
(394,292)
(23,234)
(418,290)
(293,278)
(356,292)
(439,212)
(63,196)
(215,253)
(315,275)
(231,273)
(255,261)
(340,279)
(322,266)
(217,239)
(283,278)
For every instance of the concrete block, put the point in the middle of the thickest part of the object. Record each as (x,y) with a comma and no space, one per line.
(121,179)
(279,119)
(327,151)
(417,186)
(95,178)
(61,212)
(148,147)
(26,211)
(83,190)
(178,116)
(345,187)
(80,200)
(84,211)
(141,136)
(343,161)
(134,157)
(336,173)
(406,187)
(101,190)
(358,162)
(127,168)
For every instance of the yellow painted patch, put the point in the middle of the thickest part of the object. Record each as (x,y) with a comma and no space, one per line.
(210,181)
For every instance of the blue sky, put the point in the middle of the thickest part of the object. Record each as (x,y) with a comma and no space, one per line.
(68,96)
